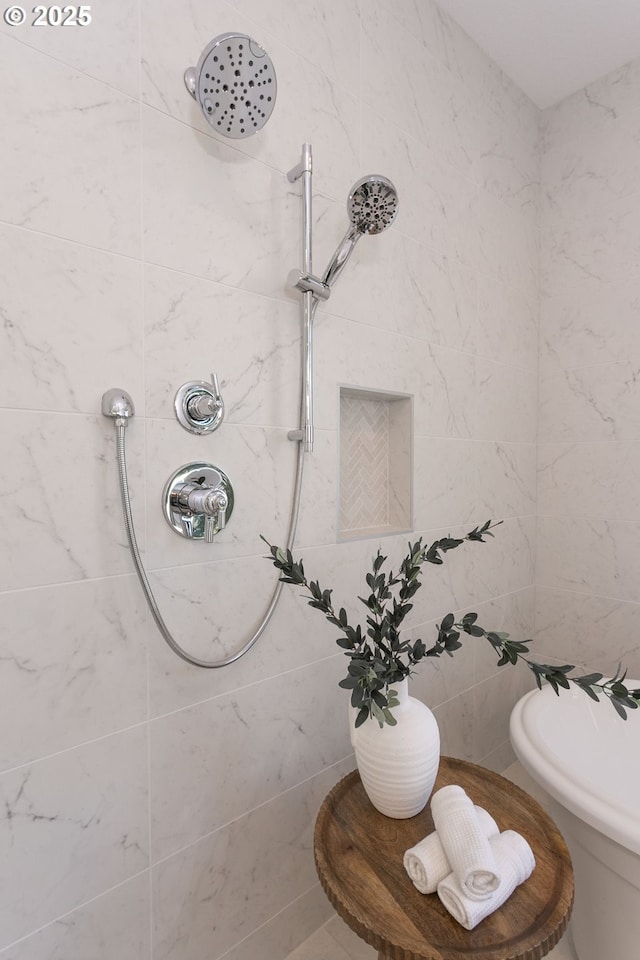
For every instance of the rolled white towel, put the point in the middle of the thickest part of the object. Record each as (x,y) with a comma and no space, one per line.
(466,846)
(427,863)
(515,861)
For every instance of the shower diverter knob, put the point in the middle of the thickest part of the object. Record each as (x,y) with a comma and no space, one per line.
(199,405)
(198,501)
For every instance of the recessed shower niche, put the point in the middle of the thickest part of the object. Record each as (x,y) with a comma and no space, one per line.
(376,432)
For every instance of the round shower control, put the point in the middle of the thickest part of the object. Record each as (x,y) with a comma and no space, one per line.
(199,405)
(198,501)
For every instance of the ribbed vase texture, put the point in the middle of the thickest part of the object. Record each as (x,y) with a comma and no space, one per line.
(398,765)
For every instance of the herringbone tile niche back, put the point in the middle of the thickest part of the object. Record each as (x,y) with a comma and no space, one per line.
(375,463)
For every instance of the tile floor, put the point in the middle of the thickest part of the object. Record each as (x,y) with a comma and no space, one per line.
(335,941)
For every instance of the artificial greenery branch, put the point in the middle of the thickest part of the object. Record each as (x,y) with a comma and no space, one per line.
(379,657)
(557,676)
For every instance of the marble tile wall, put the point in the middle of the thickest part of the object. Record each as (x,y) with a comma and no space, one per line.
(150,807)
(588,542)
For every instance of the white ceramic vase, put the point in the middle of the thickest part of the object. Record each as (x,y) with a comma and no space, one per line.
(398,764)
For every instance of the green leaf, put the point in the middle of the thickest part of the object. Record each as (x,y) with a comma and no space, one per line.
(449,543)
(520,647)
(392,698)
(588,679)
(377,713)
(345,643)
(419,650)
(453,641)
(618,708)
(431,555)
(363,715)
(352,635)
(358,668)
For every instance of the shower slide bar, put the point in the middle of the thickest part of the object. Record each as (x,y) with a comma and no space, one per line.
(310,287)
(372,206)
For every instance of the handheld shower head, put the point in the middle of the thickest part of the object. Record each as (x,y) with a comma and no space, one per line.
(372,205)
(235,84)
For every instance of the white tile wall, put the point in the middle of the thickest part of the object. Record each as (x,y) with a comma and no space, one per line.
(196,779)
(46,539)
(203,909)
(74,825)
(590,629)
(106,49)
(45,362)
(588,544)
(63,677)
(114,924)
(578,322)
(72,163)
(141,250)
(260,385)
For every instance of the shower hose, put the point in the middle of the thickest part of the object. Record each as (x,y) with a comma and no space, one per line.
(121,424)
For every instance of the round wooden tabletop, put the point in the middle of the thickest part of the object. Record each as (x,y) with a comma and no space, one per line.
(359,852)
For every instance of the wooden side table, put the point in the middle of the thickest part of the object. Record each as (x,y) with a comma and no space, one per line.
(359,852)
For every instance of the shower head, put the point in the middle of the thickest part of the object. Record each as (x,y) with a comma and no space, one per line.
(372,205)
(235,84)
